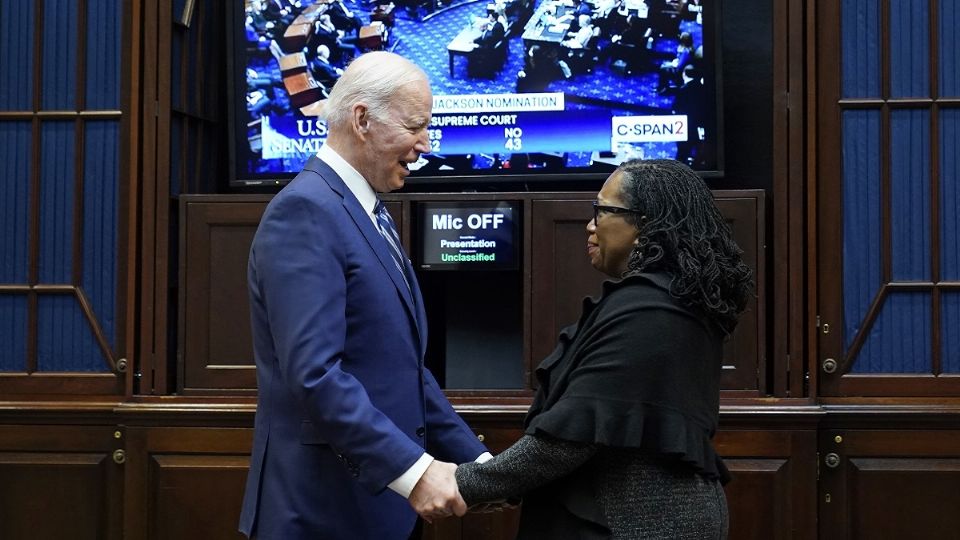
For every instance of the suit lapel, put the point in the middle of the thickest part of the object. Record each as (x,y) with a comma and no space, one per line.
(374,239)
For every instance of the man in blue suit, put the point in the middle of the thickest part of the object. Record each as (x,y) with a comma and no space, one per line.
(353,436)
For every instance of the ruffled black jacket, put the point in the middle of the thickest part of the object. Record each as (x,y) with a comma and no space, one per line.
(638,370)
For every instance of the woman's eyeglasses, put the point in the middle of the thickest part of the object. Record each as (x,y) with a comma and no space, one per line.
(599,209)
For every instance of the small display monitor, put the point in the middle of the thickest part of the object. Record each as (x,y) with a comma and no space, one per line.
(474,235)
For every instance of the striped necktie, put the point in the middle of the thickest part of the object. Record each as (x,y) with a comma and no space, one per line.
(389,232)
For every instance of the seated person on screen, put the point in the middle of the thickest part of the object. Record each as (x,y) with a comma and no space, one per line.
(490,51)
(343,19)
(259,102)
(625,47)
(671,69)
(660,21)
(632,34)
(580,7)
(690,100)
(258,80)
(581,37)
(540,68)
(343,48)
(492,30)
(323,71)
(609,19)
(692,10)
(280,11)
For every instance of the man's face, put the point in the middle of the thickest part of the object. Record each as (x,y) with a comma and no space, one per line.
(399,139)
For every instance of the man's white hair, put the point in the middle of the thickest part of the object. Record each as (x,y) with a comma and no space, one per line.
(373,79)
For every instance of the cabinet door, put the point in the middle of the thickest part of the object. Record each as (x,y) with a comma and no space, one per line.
(889,484)
(216,345)
(774,483)
(60,482)
(215,352)
(185,482)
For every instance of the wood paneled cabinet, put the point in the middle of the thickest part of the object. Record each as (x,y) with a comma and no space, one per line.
(177,471)
(61,481)
(889,483)
(146,478)
(185,482)
(532,303)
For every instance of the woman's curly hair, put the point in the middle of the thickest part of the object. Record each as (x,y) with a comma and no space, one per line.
(683,234)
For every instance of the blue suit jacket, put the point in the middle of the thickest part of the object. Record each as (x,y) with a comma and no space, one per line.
(345,405)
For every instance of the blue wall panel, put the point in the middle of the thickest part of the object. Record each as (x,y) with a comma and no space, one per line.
(860,42)
(15,201)
(950,332)
(910,194)
(13,332)
(103,54)
(950,194)
(57,176)
(861,217)
(100,200)
(899,340)
(949,75)
(59,71)
(910,50)
(16,55)
(65,340)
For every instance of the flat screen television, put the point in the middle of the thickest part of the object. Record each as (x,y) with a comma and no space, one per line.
(468,235)
(531,89)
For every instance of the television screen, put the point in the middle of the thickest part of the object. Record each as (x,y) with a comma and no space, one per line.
(556,88)
(468,236)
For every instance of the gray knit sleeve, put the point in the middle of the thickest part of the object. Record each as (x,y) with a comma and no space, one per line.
(531,462)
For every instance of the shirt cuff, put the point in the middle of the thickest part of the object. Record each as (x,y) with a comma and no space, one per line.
(405,483)
(484,457)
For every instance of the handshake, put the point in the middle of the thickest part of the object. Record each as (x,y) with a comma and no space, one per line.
(436,495)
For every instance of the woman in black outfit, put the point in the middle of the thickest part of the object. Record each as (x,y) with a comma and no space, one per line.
(617,441)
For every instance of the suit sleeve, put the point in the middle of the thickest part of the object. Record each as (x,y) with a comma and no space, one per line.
(448,436)
(300,277)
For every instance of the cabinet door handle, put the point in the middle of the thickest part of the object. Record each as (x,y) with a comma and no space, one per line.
(831,460)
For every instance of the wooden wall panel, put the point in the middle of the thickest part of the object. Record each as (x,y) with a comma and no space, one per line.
(196,496)
(215,344)
(214,308)
(59,482)
(895,483)
(756,504)
(774,483)
(185,482)
(927,488)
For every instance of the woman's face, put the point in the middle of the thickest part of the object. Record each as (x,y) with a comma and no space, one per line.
(611,237)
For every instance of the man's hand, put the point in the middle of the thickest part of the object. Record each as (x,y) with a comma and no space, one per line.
(436,494)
